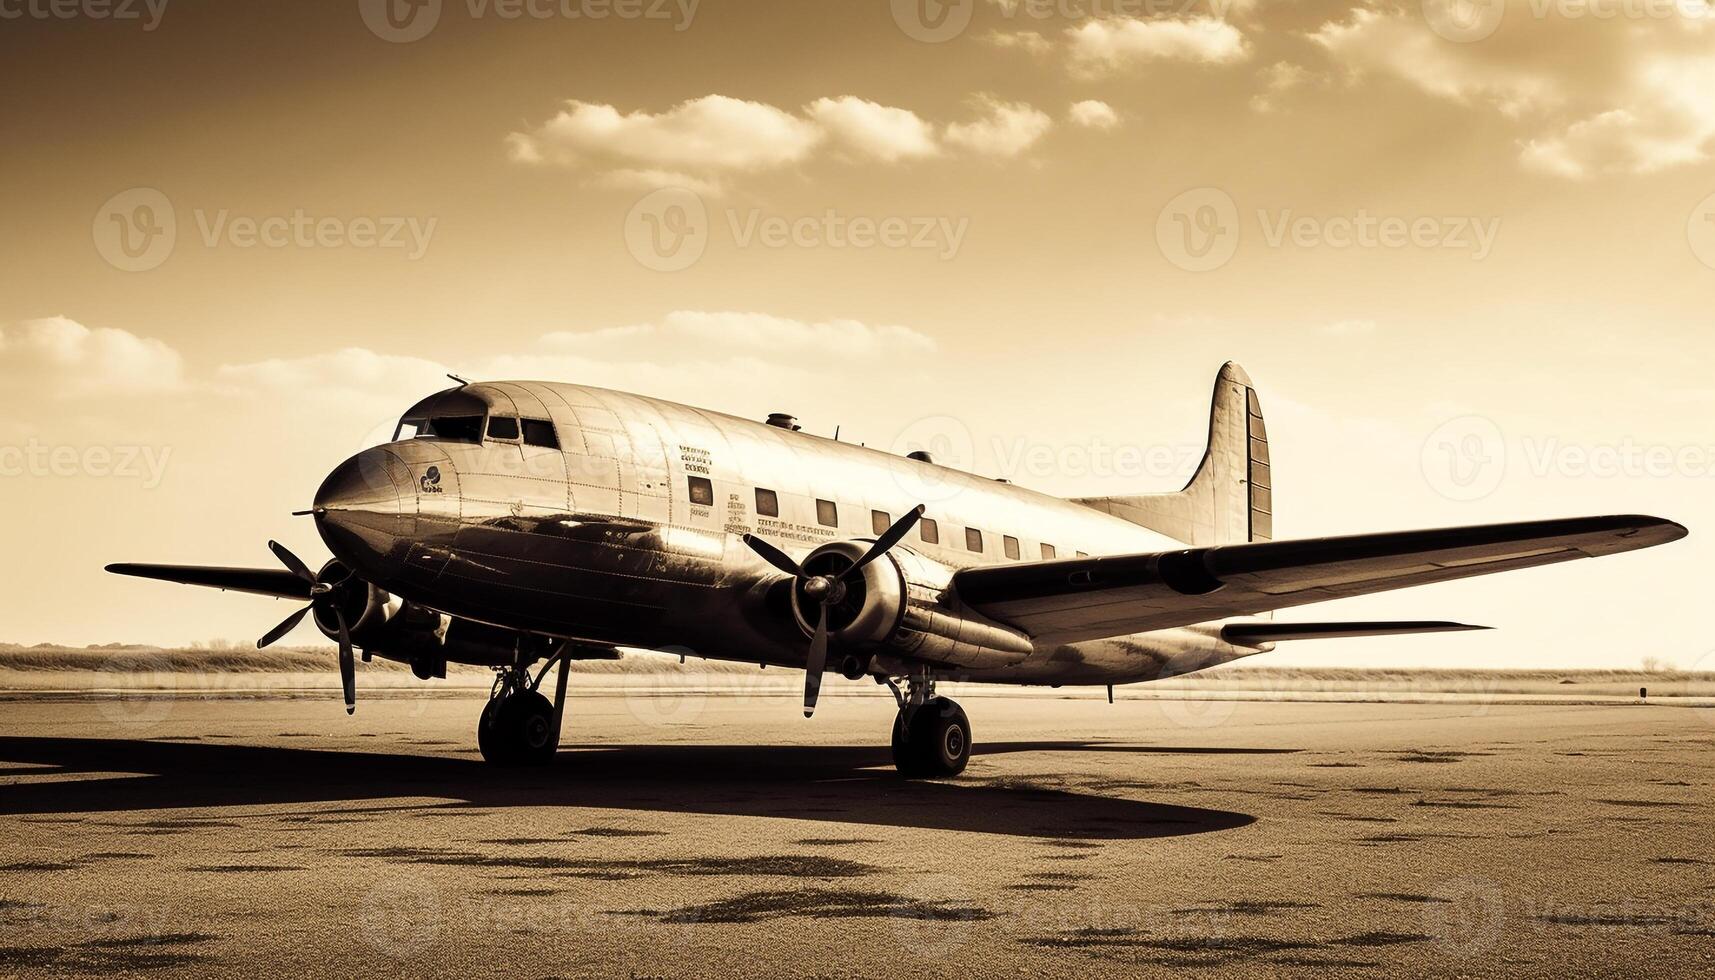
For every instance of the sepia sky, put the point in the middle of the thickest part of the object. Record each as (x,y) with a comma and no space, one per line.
(1466,251)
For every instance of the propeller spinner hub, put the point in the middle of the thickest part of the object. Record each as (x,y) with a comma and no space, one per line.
(825,589)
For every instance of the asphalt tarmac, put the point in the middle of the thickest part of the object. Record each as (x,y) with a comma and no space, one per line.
(727,836)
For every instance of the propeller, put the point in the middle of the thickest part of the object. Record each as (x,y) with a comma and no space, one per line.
(828,591)
(325,595)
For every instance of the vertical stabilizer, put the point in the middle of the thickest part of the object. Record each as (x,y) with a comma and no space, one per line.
(1231,499)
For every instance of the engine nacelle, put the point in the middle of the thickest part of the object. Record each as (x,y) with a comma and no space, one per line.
(389,627)
(898,606)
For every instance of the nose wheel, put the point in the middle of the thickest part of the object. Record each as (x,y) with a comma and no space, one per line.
(931,739)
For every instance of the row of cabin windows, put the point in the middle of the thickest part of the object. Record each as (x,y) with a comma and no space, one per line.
(828,515)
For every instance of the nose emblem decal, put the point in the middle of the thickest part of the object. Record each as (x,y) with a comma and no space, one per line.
(431,481)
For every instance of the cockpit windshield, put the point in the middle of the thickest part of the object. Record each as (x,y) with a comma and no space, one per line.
(459,428)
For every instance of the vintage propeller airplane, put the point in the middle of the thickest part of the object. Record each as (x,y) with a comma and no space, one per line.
(511,524)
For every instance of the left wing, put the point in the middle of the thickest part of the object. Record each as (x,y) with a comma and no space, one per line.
(1089,598)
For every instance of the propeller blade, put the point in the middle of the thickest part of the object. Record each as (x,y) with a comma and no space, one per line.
(774,556)
(291,561)
(817,663)
(893,536)
(347,663)
(287,625)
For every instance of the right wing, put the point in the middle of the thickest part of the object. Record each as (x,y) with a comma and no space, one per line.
(1070,600)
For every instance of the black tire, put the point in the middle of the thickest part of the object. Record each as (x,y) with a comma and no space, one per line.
(490,741)
(527,721)
(518,730)
(936,741)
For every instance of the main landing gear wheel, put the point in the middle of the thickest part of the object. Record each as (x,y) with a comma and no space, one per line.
(519,726)
(518,730)
(932,739)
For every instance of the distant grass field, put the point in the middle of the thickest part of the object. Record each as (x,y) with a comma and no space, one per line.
(231,666)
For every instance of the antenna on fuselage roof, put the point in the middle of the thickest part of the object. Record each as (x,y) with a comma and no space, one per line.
(462,382)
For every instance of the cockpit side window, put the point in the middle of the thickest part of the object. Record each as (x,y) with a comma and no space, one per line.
(407,429)
(460,428)
(503,427)
(540,432)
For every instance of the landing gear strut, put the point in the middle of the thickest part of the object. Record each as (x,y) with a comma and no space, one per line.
(931,735)
(519,726)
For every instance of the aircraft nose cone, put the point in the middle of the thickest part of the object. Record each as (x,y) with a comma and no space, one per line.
(366,511)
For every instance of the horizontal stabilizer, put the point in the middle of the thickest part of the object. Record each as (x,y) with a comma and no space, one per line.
(1254,634)
(276,582)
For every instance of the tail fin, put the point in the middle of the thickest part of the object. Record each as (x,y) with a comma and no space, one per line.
(1231,499)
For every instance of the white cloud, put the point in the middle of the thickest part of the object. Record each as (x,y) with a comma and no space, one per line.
(1006,129)
(711,133)
(881,132)
(1093,114)
(1110,44)
(1593,95)
(702,143)
(1278,79)
(1029,41)
(631,179)
(690,333)
(64,358)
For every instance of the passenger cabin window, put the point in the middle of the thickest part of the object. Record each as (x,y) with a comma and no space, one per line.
(1010,543)
(880,521)
(827,514)
(459,428)
(702,491)
(929,531)
(540,432)
(502,427)
(973,539)
(1048,552)
(767,504)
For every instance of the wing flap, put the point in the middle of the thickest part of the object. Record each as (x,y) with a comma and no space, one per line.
(1089,598)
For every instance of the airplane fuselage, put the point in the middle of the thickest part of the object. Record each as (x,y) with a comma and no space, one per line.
(623,525)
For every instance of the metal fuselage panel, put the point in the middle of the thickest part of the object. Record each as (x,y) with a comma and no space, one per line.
(601,539)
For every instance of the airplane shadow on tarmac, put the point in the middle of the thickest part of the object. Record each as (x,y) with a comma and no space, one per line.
(841,784)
